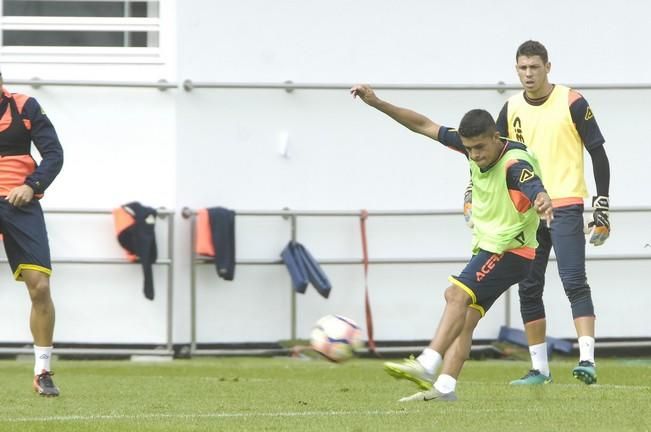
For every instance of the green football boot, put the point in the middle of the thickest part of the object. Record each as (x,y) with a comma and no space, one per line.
(586,372)
(533,377)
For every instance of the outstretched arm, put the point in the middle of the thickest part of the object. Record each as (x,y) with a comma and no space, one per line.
(406,117)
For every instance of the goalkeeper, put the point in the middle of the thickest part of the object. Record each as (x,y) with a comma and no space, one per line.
(556,124)
(508,197)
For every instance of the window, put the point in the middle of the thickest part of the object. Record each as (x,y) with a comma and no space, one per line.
(80,30)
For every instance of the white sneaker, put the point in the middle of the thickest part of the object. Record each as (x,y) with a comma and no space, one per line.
(430,395)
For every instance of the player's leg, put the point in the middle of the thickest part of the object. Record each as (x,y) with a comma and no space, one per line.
(41,322)
(453,319)
(459,351)
(569,246)
(28,252)
(41,319)
(422,370)
(456,356)
(484,279)
(532,311)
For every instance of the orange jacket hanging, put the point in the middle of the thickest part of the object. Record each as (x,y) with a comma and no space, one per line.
(215,237)
(134,225)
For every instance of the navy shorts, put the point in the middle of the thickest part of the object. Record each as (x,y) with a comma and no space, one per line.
(25,237)
(487,275)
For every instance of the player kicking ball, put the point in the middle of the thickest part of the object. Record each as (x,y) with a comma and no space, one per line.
(508,201)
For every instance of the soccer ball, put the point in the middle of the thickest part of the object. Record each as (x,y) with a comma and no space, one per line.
(336,337)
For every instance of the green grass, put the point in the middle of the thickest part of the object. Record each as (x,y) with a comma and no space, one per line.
(282,394)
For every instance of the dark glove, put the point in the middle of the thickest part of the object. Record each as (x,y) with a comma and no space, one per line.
(600,223)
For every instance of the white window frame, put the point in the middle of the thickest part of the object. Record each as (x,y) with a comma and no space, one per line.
(67,54)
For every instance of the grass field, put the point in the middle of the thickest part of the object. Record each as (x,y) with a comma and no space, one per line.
(283,394)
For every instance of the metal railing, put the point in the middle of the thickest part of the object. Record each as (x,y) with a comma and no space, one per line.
(37,83)
(168,350)
(292,215)
(289,86)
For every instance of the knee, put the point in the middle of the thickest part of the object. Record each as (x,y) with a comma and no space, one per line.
(530,291)
(456,296)
(39,290)
(580,295)
(581,302)
(576,288)
(532,307)
(575,284)
(472,319)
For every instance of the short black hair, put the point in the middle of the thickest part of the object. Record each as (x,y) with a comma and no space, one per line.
(532,48)
(477,122)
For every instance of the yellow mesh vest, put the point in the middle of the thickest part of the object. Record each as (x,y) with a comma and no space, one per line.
(499,226)
(550,135)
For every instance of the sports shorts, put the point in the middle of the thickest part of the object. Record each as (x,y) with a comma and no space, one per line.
(487,275)
(25,237)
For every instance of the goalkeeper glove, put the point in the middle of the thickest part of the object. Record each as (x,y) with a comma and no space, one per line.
(467,205)
(600,223)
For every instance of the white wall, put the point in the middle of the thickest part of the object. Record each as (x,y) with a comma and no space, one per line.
(343,155)
(119,146)
(220,147)
(117,149)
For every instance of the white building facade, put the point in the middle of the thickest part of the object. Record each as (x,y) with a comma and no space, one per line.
(135,128)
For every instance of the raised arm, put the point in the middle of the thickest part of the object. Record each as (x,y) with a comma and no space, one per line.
(406,117)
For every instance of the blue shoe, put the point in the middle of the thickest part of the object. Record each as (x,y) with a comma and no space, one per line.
(533,377)
(586,372)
